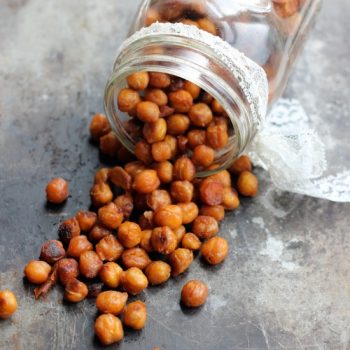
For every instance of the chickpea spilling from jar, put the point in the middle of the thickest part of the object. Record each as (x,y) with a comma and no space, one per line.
(152,215)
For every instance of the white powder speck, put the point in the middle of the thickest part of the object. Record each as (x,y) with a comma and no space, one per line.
(233,233)
(217,302)
(259,221)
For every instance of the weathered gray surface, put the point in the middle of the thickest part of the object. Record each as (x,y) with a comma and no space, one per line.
(286,284)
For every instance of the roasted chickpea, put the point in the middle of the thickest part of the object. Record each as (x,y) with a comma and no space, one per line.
(182,191)
(101,175)
(98,232)
(119,177)
(99,126)
(194,293)
(177,124)
(191,241)
(164,171)
(57,190)
(90,264)
(68,229)
(134,168)
(75,291)
(110,216)
(125,203)
(196,138)
(86,220)
(109,145)
(182,144)
(286,8)
(215,250)
(163,240)
(142,152)
(247,184)
(205,227)
(111,302)
(171,140)
(101,194)
(207,98)
(168,215)
(135,257)
(155,131)
(217,107)
(110,274)
(37,271)
(129,234)
(181,100)
(230,199)
(215,211)
(211,193)
(135,315)
(146,181)
(207,25)
(176,84)
(138,81)
(222,177)
(241,164)
(134,281)
(179,233)
(52,251)
(159,80)
(200,115)
(184,169)
(67,270)
(203,156)
(189,212)
(8,304)
(128,100)
(161,151)
(166,111)
(148,112)
(180,260)
(146,220)
(157,96)
(158,199)
(109,248)
(192,88)
(146,241)
(109,329)
(217,136)
(158,272)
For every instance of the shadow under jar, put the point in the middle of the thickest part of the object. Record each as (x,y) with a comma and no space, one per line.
(269,33)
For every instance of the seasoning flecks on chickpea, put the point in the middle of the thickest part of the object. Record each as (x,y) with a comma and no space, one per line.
(8,303)
(135,257)
(135,315)
(110,274)
(191,241)
(109,145)
(68,229)
(181,100)
(97,233)
(110,216)
(158,272)
(215,250)
(184,169)
(52,251)
(128,100)
(67,270)
(247,184)
(200,115)
(205,227)
(57,190)
(215,211)
(90,264)
(109,329)
(129,234)
(163,240)
(99,126)
(138,81)
(109,248)
(101,194)
(169,215)
(75,291)
(189,212)
(37,272)
(194,293)
(111,302)
(146,181)
(147,112)
(134,280)
(86,220)
(203,156)
(241,164)
(180,260)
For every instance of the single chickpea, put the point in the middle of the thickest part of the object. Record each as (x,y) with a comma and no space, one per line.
(230,199)
(158,272)
(143,153)
(75,291)
(169,215)
(189,212)
(109,329)
(126,204)
(138,81)
(164,171)
(109,248)
(182,191)
(134,281)
(101,194)
(99,126)
(215,250)
(211,193)
(86,220)
(241,164)
(215,211)
(196,138)
(205,227)
(135,257)
(135,315)
(155,131)
(37,271)
(181,100)
(191,241)
(176,84)
(207,25)
(217,136)
(134,168)
(194,293)
(247,184)
(180,260)
(146,181)
(157,96)
(110,216)
(180,233)
(129,234)
(67,270)
(90,264)
(128,100)
(222,177)
(171,140)
(57,190)
(68,229)
(146,241)
(109,145)
(147,112)
(146,220)
(52,251)
(101,175)
(110,274)
(159,80)
(200,115)
(163,240)
(166,111)
(192,88)
(182,142)
(97,233)
(177,124)
(184,169)
(158,199)
(111,302)
(203,156)
(119,177)
(161,151)
(8,304)
(217,107)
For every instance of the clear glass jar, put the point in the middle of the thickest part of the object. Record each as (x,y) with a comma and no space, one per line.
(270,33)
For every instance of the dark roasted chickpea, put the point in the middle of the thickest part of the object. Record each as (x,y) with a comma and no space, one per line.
(194,293)
(196,138)
(98,232)
(182,191)
(155,131)
(111,302)
(182,144)
(217,136)
(215,250)
(247,184)
(125,203)
(205,227)
(138,81)
(101,175)
(171,140)
(101,194)
(222,177)
(129,234)
(119,177)
(161,151)
(230,199)
(134,281)
(134,168)
(86,220)
(176,84)
(168,215)
(109,144)
(189,212)
(158,272)
(164,171)
(158,199)
(180,260)
(135,315)
(148,112)
(163,240)
(57,190)
(207,98)
(192,88)
(241,164)
(78,245)
(109,248)
(75,291)
(191,241)
(142,152)
(146,241)
(133,127)
(207,25)
(110,216)
(200,115)
(37,271)
(159,80)
(52,251)
(166,111)
(203,156)
(211,193)
(128,100)
(90,264)
(181,100)
(8,304)
(177,124)
(146,181)
(94,289)
(99,126)
(215,211)
(146,220)
(110,274)
(109,329)
(140,202)
(157,96)
(68,229)
(179,233)
(184,169)
(67,270)
(135,257)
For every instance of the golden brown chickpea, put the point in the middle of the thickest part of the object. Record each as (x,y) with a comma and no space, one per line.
(159,80)
(52,251)
(169,215)
(217,136)
(180,260)
(110,274)
(128,100)
(134,168)
(217,107)
(161,151)
(177,124)
(101,194)
(99,126)
(200,115)
(148,112)
(142,152)
(146,181)
(86,220)
(111,302)
(90,264)
(191,241)
(157,96)
(109,248)
(179,233)
(125,203)
(146,241)
(181,100)
(101,175)
(78,245)
(158,272)
(224,121)
(241,164)
(119,177)
(138,81)
(194,293)
(205,227)
(203,156)
(134,281)
(189,212)
(163,240)
(109,144)
(182,191)
(75,291)
(135,315)
(230,199)
(135,257)
(196,138)
(109,329)
(215,211)
(110,216)
(215,250)
(193,89)
(207,25)
(158,199)
(222,177)
(211,193)
(67,270)
(164,171)
(68,229)
(171,140)
(98,232)
(8,304)
(155,132)
(184,169)
(247,184)
(129,234)
(57,190)
(146,220)
(37,271)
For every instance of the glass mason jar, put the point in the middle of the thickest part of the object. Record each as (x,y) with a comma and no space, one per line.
(268,33)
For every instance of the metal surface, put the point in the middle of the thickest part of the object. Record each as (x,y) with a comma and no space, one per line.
(286,284)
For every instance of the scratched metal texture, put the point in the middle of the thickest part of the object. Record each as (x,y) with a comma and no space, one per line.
(286,283)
